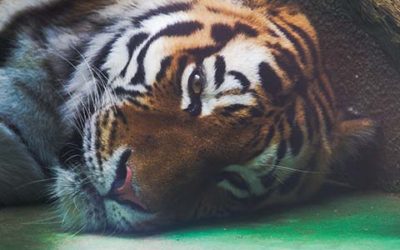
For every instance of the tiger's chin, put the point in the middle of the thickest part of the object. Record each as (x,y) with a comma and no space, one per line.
(82,209)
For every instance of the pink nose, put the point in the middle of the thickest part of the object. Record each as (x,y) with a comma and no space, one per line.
(126,192)
(122,189)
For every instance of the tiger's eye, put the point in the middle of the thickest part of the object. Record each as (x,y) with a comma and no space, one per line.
(197,84)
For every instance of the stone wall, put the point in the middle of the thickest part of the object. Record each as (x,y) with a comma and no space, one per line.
(360,44)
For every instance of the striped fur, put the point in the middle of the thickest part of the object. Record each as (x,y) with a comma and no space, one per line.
(225,106)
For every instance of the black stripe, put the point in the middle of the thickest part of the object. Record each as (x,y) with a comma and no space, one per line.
(269,136)
(296,139)
(325,115)
(270,80)
(272,33)
(138,104)
(290,183)
(106,118)
(132,45)
(315,56)
(291,113)
(256,112)
(220,70)
(235,179)
(299,48)
(113,136)
(325,92)
(241,28)
(88,108)
(100,59)
(120,115)
(222,33)
(310,44)
(120,91)
(281,151)
(301,86)
(74,58)
(242,79)
(232,109)
(313,113)
(88,140)
(269,179)
(203,52)
(98,144)
(213,10)
(167,9)
(165,63)
(282,147)
(310,117)
(88,148)
(177,29)
(273,12)
(287,61)
(182,62)
(296,135)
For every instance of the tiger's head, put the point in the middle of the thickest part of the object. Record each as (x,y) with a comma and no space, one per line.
(195,109)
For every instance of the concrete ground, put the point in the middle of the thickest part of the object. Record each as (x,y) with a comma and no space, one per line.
(356,221)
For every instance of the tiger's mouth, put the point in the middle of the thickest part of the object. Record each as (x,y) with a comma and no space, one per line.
(83,208)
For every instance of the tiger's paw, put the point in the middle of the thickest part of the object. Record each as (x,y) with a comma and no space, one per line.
(21,179)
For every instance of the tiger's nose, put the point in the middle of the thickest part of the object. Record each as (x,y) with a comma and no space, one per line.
(123,175)
(122,187)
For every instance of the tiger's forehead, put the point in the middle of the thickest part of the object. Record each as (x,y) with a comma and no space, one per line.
(217,21)
(250,48)
(200,29)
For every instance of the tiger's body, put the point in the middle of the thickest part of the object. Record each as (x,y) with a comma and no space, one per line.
(149,113)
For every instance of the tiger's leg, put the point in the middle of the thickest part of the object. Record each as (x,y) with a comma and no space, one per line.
(21,178)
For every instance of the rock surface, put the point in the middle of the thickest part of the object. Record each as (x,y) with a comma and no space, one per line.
(360,42)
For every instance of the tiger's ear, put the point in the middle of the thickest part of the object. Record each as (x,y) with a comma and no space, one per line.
(357,150)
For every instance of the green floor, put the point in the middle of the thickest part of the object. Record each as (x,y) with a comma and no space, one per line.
(356,221)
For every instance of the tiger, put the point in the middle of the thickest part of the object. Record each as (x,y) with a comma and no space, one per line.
(134,115)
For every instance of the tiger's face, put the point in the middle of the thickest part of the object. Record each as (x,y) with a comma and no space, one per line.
(195,109)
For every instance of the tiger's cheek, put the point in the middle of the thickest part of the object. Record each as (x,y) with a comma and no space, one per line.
(174,156)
